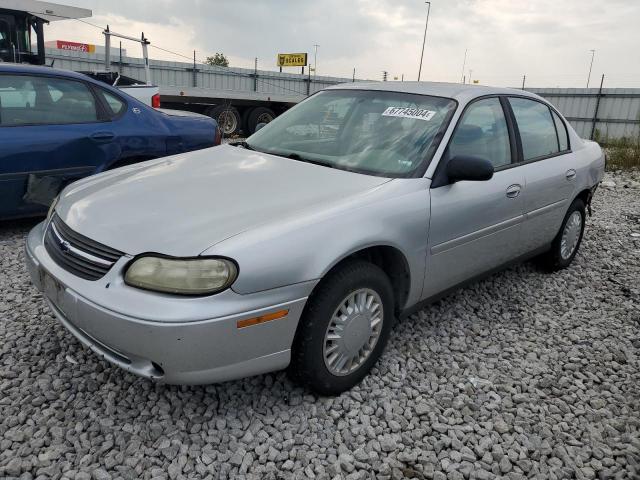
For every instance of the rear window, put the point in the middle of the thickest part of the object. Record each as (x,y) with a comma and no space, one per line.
(114,104)
(563,137)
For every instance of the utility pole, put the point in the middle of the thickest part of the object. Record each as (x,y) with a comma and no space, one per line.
(593,54)
(424,40)
(315,62)
(354,74)
(470,77)
(524,77)
(464,64)
(402,79)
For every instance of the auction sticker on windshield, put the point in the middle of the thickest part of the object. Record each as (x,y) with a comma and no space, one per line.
(407,112)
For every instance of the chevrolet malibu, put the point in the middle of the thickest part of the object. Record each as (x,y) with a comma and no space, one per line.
(301,246)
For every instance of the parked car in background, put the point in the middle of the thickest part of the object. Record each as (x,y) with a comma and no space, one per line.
(58,126)
(300,246)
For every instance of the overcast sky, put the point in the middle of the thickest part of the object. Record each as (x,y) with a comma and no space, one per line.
(548,40)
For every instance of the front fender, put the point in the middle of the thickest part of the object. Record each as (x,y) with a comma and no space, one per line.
(306,247)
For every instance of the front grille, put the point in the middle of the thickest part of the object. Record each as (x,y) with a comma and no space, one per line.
(76,253)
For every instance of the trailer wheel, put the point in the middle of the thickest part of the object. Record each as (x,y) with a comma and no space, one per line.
(228,118)
(259,115)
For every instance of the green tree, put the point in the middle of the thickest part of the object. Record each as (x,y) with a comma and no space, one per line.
(218,60)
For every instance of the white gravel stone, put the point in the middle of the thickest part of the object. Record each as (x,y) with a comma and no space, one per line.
(522,375)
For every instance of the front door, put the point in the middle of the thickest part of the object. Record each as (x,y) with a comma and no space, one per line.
(476,226)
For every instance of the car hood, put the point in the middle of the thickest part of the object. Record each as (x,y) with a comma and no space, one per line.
(183,204)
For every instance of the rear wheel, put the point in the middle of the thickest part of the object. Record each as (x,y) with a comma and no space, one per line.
(344,329)
(228,118)
(259,115)
(567,242)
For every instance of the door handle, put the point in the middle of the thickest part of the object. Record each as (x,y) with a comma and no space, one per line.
(571,174)
(513,191)
(102,136)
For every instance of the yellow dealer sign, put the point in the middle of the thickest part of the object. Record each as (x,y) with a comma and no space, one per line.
(292,59)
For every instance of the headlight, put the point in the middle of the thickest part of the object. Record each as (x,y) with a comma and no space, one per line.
(52,208)
(191,276)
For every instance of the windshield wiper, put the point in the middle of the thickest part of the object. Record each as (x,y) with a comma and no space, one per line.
(295,156)
(243,144)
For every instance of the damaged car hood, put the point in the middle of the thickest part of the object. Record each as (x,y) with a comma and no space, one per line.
(182,205)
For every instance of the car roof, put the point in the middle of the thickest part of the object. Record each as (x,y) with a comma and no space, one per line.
(458,91)
(24,69)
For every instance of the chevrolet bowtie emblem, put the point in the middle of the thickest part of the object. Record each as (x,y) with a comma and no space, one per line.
(64,246)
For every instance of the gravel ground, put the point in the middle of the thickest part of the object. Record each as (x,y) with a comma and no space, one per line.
(524,375)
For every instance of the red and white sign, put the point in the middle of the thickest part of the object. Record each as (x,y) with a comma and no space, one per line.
(74,46)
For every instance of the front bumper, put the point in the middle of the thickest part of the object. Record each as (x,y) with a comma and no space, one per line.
(172,339)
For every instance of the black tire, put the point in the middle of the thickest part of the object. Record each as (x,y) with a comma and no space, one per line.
(553,260)
(228,119)
(245,121)
(307,360)
(259,115)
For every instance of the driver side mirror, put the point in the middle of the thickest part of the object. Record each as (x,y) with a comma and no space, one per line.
(466,167)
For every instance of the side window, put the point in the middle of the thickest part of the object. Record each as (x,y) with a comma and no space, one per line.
(114,104)
(16,92)
(563,137)
(27,100)
(71,102)
(482,132)
(536,126)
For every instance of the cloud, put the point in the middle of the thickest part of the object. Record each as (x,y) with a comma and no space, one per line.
(548,40)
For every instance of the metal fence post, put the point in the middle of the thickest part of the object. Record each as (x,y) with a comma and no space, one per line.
(255,76)
(107,49)
(195,72)
(595,113)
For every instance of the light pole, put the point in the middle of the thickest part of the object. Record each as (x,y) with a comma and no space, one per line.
(426,25)
(315,62)
(464,63)
(593,54)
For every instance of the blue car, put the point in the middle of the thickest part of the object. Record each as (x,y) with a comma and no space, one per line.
(58,126)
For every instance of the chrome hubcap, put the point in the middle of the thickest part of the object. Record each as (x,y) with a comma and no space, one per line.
(353,332)
(227,122)
(571,235)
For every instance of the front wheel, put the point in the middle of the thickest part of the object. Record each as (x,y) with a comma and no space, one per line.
(566,244)
(344,329)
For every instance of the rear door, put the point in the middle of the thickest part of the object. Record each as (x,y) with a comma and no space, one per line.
(51,129)
(476,226)
(549,168)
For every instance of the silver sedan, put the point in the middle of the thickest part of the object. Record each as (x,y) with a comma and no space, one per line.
(301,247)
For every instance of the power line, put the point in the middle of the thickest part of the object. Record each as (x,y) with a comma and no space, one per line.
(221,69)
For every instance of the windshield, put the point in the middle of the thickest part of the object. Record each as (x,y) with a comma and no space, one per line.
(388,134)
